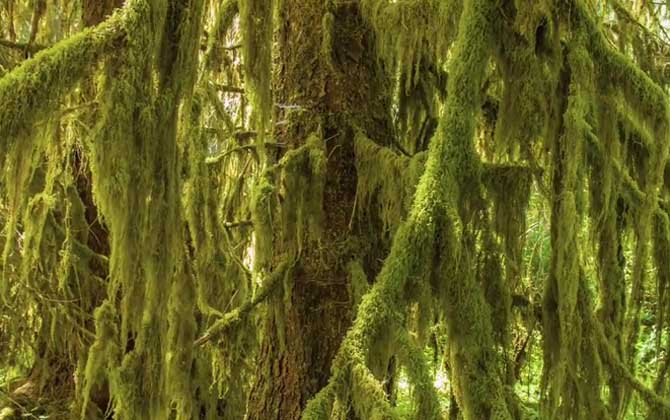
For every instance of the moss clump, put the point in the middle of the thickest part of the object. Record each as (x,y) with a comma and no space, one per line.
(406,33)
(509,187)
(262,210)
(303,179)
(104,353)
(375,166)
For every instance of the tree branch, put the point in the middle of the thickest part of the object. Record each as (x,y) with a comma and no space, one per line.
(30,91)
(238,314)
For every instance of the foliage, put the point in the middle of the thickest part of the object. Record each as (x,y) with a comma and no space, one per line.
(490,206)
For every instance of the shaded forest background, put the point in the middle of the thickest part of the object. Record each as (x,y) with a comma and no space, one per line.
(334,209)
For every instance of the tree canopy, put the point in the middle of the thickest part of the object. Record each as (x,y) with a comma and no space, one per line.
(335,209)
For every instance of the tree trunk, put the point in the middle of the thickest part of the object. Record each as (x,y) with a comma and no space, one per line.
(329,77)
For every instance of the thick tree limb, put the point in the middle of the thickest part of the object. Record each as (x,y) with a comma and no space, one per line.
(29,92)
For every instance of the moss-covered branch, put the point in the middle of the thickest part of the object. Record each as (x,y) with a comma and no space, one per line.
(33,88)
(231,318)
(647,98)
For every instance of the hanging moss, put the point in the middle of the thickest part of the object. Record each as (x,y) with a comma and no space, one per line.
(451,170)
(526,99)
(303,178)
(662,260)
(566,305)
(20,172)
(103,354)
(257,29)
(406,32)
(37,210)
(425,399)
(509,187)
(646,97)
(457,246)
(375,166)
(262,210)
(411,253)
(606,212)
(650,107)
(135,157)
(180,353)
(358,284)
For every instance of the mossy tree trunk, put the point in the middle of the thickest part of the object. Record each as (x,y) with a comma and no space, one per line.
(327,76)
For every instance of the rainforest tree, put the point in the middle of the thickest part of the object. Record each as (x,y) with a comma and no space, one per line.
(329,209)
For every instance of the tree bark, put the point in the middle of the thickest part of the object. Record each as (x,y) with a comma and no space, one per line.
(330,90)
(95,11)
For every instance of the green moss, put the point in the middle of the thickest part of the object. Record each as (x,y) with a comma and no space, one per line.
(29,92)
(406,32)
(358,284)
(303,178)
(425,398)
(572,364)
(648,104)
(445,190)
(104,353)
(661,241)
(262,211)
(607,233)
(22,175)
(182,328)
(509,187)
(136,183)
(256,24)
(233,317)
(375,166)
(526,99)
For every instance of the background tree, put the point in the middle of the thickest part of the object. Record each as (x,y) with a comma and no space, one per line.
(317,209)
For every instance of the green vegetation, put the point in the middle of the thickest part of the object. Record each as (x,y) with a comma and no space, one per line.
(308,209)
